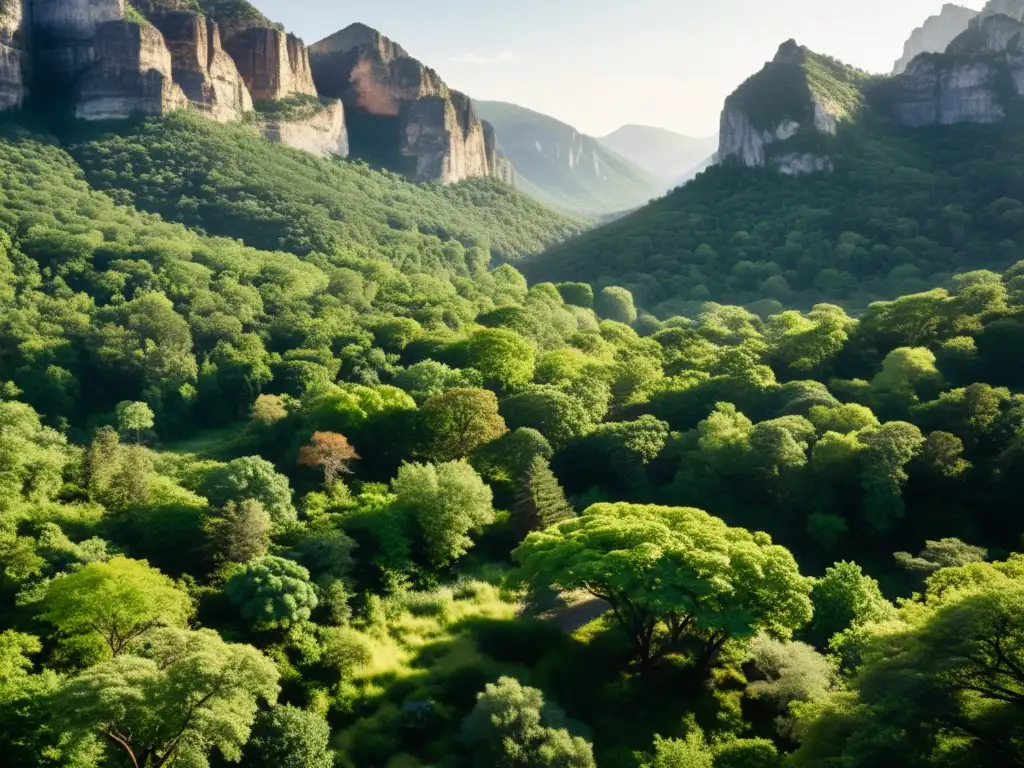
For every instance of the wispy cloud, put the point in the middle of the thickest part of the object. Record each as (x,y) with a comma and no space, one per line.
(502,57)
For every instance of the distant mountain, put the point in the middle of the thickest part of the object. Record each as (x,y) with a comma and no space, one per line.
(668,155)
(935,35)
(560,166)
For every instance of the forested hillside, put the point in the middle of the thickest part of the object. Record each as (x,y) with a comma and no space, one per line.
(293,479)
(902,212)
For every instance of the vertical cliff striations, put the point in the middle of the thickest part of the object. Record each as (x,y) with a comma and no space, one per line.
(400,113)
(15,53)
(130,75)
(273,64)
(204,71)
(979,78)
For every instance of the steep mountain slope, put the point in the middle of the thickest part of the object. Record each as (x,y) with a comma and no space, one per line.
(227,181)
(890,209)
(563,167)
(668,155)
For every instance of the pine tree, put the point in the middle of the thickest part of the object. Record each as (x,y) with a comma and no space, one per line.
(540,501)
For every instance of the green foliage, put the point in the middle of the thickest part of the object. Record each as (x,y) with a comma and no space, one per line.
(460,421)
(273,197)
(929,205)
(117,602)
(183,695)
(256,479)
(939,685)
(134,417)
(671,573)
(539,501)
(288,737)
(272,592)
(509,727)
(240,533)
(445,502)
(615,303)
(503,357)
(845,597)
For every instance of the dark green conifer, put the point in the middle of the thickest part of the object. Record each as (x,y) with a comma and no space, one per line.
(540,501)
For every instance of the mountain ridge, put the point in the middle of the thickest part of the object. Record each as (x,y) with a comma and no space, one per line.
(564,167)
(667,154)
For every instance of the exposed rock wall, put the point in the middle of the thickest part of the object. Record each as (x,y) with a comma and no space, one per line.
(273,64)
(401,108)
(15,57)
(201,67)
(323,133)
(748,141)
(63,33)
(130,75)
(935,35)
(977,80)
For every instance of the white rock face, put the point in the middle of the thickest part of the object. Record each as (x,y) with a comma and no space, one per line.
(15,61)
(323,134)
(797,163)
(935,35)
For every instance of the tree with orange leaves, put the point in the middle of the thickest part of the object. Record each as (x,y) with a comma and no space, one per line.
(329,451)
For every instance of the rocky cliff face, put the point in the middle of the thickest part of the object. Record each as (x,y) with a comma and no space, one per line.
(977,80)
(273,64)
(399,111)
(15,60)
(320,132)
(201,67)
(130,75)
(63,33)
(935,35)
(770,120)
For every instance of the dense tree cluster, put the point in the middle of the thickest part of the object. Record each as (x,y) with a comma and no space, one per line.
(362,501)
(901,213)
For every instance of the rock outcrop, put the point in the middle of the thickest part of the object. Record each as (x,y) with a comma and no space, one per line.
(978,79)
(15,57)
(322,132)
(273,64)
(772,118)
(203,70)
(130,75)
(935,35)
(399,112)
(64,33)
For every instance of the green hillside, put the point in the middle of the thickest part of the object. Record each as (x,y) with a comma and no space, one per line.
(902,212)
(228,181)
(564,168)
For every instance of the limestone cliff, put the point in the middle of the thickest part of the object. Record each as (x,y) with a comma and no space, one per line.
(783,116)
(201,67)
(935,35)
(400,113)
(315,127)
(130,75)
(273,64)
(15,57)
(978,79)
(64,33)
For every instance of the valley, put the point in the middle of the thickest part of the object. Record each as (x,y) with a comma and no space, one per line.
(348,420)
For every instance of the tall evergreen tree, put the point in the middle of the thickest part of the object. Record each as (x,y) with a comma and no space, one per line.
(540,501)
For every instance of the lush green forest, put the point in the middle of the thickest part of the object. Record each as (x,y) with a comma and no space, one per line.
(290,477)
(903,212)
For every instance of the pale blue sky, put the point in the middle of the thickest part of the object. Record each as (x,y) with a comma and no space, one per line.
(598,64)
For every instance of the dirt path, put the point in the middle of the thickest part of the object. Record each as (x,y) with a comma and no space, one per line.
(577,614)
